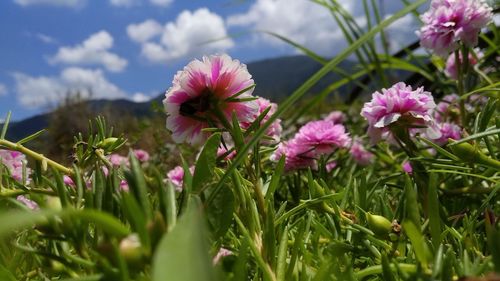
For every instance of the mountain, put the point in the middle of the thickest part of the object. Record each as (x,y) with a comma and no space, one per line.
(275,79)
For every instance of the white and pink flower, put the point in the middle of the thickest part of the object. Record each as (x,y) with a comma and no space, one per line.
(450,21)
(401,105)
(201,90)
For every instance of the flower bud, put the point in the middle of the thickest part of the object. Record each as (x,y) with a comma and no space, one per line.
(131,249)
(54,203)
(379,224)
(107,143)
(471,154)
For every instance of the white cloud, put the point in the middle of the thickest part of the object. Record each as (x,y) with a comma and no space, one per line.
(312,25)
(191,34)
(60,3)
(144,31)
(124,3)
(42,91)
(93,51)
(140,97)
(3,90)
(161,3)
(302,21)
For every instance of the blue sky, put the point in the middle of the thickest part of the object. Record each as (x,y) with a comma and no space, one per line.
(132,48)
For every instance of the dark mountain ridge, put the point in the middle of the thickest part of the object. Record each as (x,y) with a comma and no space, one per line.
(275,78)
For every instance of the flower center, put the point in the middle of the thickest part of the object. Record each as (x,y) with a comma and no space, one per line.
(200,103)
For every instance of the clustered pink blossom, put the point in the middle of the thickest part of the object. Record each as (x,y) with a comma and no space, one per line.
(275,129)
(314,139)
(201,90)
(141,155)
(176,177)
(13,161)
(447,108)
(32,205)
(400,105)
(451,69)
(448,131)
(360,154)
(449,21)
(118,160)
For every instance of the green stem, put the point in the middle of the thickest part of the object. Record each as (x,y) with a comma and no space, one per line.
(377,269)
(460,88)
(35,155)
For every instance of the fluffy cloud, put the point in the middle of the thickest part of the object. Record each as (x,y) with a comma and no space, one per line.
(3,90)
(144,31)
(303,21)
(161,3)
(191,34)
(42,91)
(93,51)
(312,25)
(61,3)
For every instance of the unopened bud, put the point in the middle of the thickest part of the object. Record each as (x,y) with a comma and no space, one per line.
(54,203)
(472,154)
(379,224)
(107,143)
(131,249)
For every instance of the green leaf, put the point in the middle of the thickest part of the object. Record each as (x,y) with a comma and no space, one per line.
(282,255)
(182,254)
(5,125)
(15,220)
(275,180)
(205,165)
(434,217)
(418,242)
(6,275)
(137,183)
(220,213)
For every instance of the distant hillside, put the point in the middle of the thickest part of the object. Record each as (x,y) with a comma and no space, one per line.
(275,78)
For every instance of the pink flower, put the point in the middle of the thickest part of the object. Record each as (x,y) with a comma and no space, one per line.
(359,153)
(401,105)
(68,181)
(223,151)
(201,87)
(448,131)
(297,156)
(13,161)
(407,167)
(337,117)
(330,166)
(118,160)
(124,186)
(275,129)
(446,107)
(222,253)
(176,177)
(141,155)
(451,64)
(449,21)
(32,205)
(322,137)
